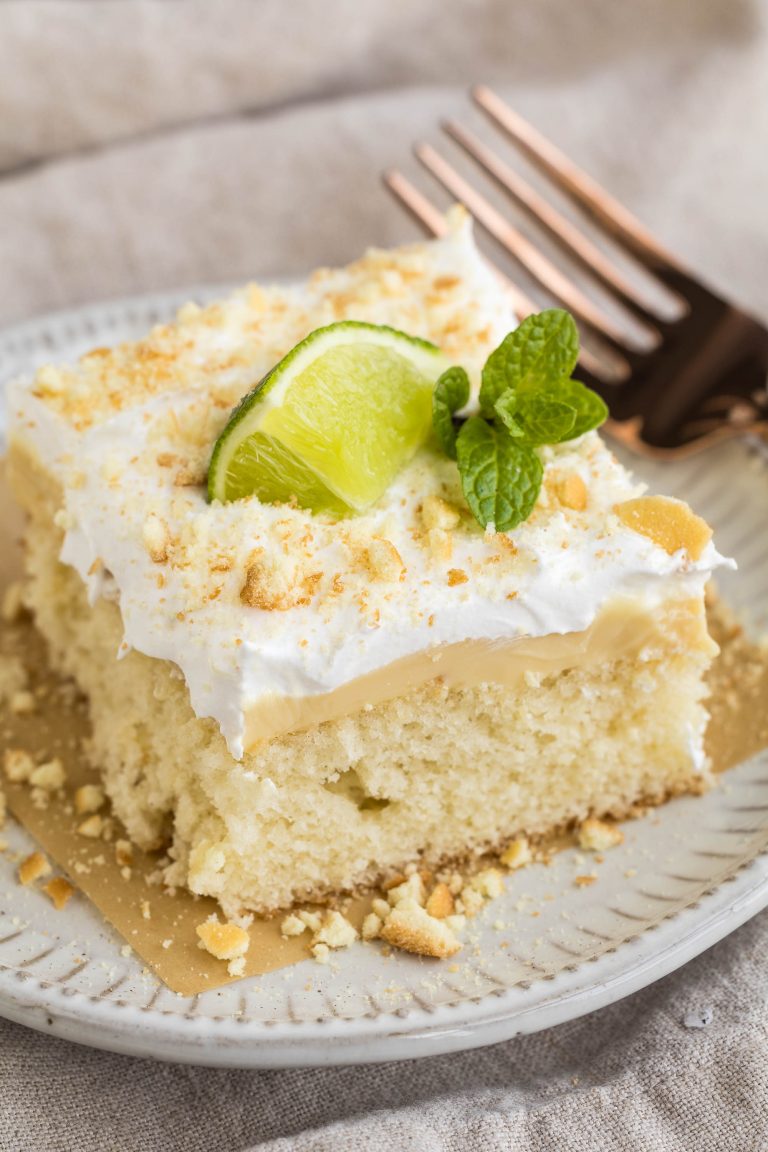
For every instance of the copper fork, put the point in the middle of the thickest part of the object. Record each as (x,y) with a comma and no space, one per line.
(704,376)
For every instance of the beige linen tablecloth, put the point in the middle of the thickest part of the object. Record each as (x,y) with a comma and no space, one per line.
(152,144)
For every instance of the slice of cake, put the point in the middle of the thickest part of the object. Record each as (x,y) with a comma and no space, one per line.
(298,703)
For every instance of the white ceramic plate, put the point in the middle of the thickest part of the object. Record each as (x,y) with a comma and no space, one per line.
(543,953)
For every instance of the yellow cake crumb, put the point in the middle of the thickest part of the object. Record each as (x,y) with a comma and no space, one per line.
(33,868)
(489,883)
(411,889)
(18,765)
(335,931)
(224,941)
(236,967)
(313,920)
(669,523)
(292,926)
(598,836)
(470,901)
(59,891)
(371,926)
(49,776)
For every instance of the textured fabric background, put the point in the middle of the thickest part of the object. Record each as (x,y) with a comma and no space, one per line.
(149,144)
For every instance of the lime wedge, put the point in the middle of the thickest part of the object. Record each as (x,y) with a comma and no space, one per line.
(333,423)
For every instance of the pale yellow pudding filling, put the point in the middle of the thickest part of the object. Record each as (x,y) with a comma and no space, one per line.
(623,629)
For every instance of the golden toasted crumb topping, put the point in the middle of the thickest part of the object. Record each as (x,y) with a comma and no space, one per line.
(669,523)
(572,492)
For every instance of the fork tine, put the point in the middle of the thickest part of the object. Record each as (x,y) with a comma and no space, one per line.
(434,220)
(521,248)
(555,222)
(582,188)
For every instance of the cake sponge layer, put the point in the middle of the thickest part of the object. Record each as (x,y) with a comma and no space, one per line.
(439,774)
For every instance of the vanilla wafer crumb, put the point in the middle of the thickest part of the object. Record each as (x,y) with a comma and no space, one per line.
(59,891)
(33,868)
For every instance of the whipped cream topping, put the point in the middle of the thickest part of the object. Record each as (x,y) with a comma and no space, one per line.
(338,600)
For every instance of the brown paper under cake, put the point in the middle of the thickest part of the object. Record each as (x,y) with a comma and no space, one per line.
(58,727)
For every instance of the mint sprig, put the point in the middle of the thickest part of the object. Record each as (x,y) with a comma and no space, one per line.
(451,393)
(527,399)
(500,477)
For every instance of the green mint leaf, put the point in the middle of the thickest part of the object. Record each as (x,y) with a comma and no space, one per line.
(544,418)
(500,477)
(451,393)
(543,350)
(591,411)
(506,409)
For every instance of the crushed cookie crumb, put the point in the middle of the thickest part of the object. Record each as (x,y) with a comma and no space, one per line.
(224,941)
(156,538)
(668,523)
(33,868)
(59,891)
(440,902)
(384,561)
(457,576)
(585,881)
(438,513)
(572,493)
(414,930)
(88,798)
(517,854)
(91,828)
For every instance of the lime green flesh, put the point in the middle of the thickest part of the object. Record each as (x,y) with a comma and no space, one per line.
(345,427)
